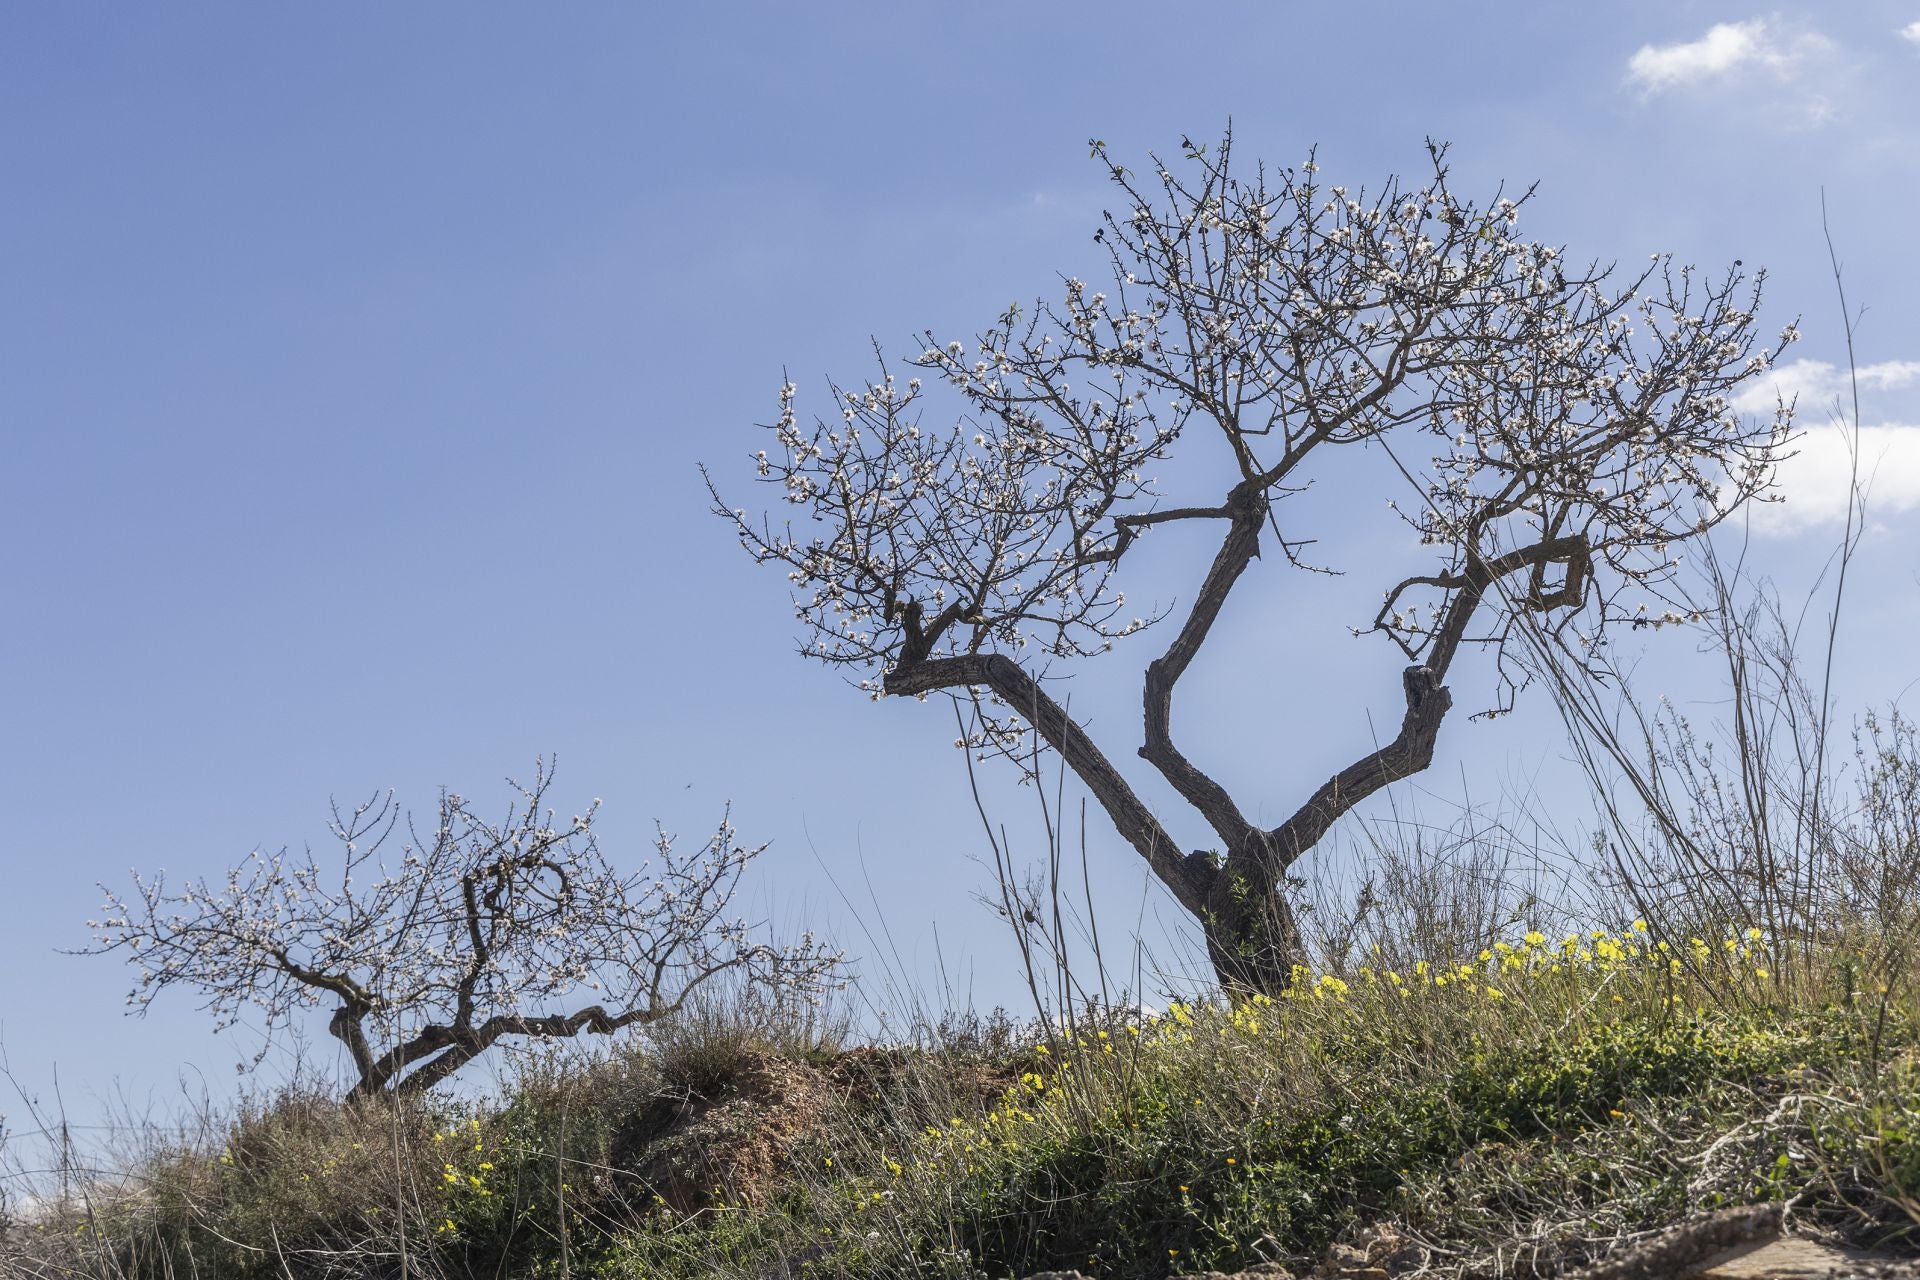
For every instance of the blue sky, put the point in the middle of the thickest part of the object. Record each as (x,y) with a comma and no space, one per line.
(358,363)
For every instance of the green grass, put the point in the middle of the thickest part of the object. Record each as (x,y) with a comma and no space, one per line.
(1518,1112)
(1564,1106)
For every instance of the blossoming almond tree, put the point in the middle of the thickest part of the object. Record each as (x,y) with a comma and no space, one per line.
(478,932)
(1554,432)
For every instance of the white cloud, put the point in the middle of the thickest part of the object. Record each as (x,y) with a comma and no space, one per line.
(1815,482)
(1727,49)
(1814,384)
(1911,32)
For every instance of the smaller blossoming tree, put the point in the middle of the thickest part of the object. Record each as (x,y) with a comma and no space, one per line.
(479,932)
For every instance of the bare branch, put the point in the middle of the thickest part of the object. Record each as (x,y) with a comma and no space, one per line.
(1186,877)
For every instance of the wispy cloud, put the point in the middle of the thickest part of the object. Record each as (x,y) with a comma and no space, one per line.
(1911,32)
(1727,50)
(1814,384)
(1818,109)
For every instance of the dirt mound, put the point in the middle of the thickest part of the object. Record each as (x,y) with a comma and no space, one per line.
(726,1138)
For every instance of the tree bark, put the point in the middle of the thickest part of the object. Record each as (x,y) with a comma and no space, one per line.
(1247,507)
(439,1051)
(1252,934)
(1188,877)
(1253,939)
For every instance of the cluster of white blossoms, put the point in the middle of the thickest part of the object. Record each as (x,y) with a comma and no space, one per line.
(1604,416)
(993,523)
(474,922)
(1528,405)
